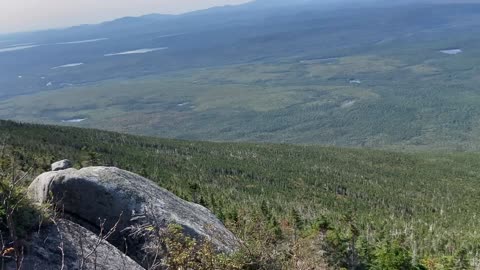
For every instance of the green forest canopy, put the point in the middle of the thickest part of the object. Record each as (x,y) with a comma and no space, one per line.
(426,201)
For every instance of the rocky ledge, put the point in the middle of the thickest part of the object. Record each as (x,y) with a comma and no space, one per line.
(96,200)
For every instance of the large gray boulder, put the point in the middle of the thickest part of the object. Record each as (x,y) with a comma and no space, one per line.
(82,250)
(92,194)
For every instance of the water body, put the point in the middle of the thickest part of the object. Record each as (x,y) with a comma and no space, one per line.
(139,51)
(82,41)
(320,61)
(68,65)
(355,81)
(347,104)
(17,48)
(20,44)
(452,51)
(75,120)
(171,35)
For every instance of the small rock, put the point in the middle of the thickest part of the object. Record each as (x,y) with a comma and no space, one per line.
(61,165)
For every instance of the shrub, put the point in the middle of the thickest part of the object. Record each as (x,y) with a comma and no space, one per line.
(13,202)
(392,257)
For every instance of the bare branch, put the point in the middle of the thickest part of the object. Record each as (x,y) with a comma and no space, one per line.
(101,238)
(61,245)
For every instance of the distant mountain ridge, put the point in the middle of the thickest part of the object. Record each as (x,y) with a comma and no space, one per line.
(136,21)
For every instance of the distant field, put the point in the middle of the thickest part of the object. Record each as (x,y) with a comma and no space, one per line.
(399,77)
(386,99)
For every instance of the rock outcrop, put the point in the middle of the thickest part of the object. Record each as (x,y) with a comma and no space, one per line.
(73,247)
(125,200)
(61,165)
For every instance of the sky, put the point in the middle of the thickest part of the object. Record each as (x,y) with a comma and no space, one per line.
(27,15)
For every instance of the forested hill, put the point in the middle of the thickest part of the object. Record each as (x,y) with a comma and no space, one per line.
(421,207)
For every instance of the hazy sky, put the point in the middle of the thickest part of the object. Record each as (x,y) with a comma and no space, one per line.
(24,15)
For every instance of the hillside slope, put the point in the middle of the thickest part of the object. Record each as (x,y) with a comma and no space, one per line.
(429,201)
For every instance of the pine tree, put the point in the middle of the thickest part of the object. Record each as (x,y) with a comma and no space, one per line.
(461,261)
